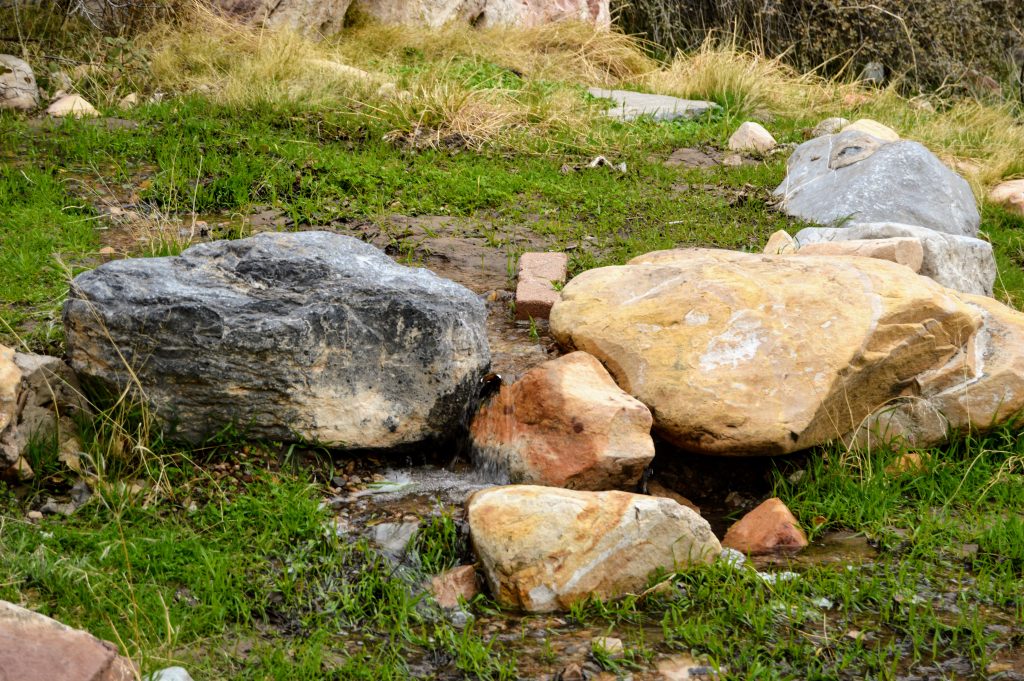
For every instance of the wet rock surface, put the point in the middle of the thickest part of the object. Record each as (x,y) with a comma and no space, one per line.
(544,548)
(307,335)
(564,424)
(855,176)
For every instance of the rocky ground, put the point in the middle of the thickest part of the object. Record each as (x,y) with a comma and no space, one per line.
(770,431)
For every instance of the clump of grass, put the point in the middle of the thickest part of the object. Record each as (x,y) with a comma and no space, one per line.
(743,82)
(437,545)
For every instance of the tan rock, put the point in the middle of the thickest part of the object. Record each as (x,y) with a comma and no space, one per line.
(129,101)
(656,489)
(829,126)
(909,462)
(980,386)
(768,528)
(752,136)
(565,424)
(73,106)
(457,583)
(780,243)
(1009,195)
(46,394)
(873,128)
(35,647)
(905,251)
(609,645)
(544,548)
(745,354)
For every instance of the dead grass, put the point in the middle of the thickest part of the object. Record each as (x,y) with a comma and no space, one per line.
(414,82)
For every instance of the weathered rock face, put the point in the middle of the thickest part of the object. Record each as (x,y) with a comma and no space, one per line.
(539,12)
(565,424)
(305,336)
(485,13)
(961,263)
(768,528)
(906,251)
(855,176)
(543,548)
(742,354)
(981,387)
(39,395)
(18,88)
(310,17)
(33,647)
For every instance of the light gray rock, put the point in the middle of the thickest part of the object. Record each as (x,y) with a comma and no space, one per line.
(393,538)
(170,674)
(307,336)
(961,263)
(632,105)
(855,177)
(18,88)
(829,126)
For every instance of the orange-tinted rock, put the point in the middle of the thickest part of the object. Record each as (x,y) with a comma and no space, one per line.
(656,489)
(1010,195)
(910,462)
(768,528)
(450,586)
(34,647)
(565,424)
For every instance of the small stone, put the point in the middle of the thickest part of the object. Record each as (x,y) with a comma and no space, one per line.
(130,101)
(768,528)
(612,647)
(873,73)
(873,128)
(535,290)
(829,126)
(780,243)
(1009,195)
(34,515)
(73,106)
(632,105)
(455,584)
(394,538)
(169,674)
(54,507)
(752,136)
(107,251)
(18,89)
(906,251)
(909,462)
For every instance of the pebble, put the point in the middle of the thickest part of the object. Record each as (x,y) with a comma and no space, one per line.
(34,515)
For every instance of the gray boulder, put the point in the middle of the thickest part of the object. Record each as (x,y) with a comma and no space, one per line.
(961,263)
(305,336)
(18,88)
(853,176)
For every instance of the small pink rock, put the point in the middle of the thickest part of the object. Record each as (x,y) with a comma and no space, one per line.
(768,528)
(1009,195)
(535,292)
(456,583)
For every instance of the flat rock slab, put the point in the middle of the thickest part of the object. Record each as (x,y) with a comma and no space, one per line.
(35,647)
(535,288)
(631,105)
(307,336)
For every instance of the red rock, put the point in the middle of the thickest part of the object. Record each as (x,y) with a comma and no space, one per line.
(535,291)
(565,424)
(459,582)
(768,528)
(34,647)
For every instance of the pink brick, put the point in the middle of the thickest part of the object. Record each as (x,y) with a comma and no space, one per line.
(535,292)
